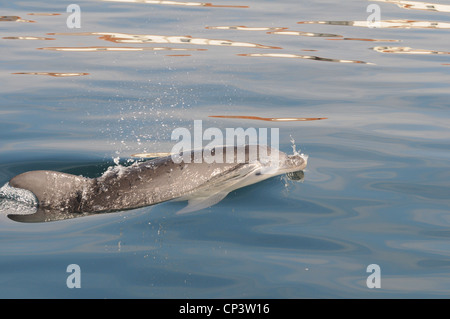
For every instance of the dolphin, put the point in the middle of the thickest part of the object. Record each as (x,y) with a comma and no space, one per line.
(52,195)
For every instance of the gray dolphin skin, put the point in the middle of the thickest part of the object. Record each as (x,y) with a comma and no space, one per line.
(203,183)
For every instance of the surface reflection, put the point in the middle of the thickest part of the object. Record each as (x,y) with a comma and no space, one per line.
(306,34)
(406,50)
(244,28)
(297,56)
(43,14)
(178,3)
(151,155)
(53,74)
(272,119)
(27,38)
(101,48)
(14,19)
(400,24)
(417,5)
(146,38)
(368,40)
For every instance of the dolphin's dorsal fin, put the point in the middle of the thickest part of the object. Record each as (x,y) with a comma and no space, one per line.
(198,203)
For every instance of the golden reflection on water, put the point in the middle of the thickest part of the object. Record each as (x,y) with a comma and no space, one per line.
(297,56)
(306,34)
(398,24)
(244,28)
(271,119)
(43,14)
(14,19)
(53,74)
(417,5)
(147,38)
(150,155)
(124,49)
(178,3)
(369,40)
(126,38)
(406,50)
(27,38)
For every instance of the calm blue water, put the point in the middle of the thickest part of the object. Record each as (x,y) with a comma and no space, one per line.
(376,189)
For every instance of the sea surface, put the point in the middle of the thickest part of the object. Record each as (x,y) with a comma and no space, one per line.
(79,95)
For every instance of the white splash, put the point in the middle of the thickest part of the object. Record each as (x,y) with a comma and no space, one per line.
(294,147)
(17,201)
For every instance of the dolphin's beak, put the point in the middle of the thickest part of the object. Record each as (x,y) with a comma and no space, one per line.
(296,162)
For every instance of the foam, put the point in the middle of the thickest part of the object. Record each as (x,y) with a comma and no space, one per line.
(17,200)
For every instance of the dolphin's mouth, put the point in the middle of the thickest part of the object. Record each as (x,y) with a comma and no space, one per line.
(297,176)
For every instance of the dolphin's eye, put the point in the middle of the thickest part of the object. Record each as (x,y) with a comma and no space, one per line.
(258,173)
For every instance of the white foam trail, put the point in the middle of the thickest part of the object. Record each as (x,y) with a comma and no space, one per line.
(17,201)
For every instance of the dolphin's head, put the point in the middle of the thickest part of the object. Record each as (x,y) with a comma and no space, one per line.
(276,162)
(294,163)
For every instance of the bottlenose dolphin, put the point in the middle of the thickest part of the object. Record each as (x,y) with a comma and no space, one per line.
(56,195)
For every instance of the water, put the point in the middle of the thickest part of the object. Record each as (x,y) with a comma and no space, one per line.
(376,189)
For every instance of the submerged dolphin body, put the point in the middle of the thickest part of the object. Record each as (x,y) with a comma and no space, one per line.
(56,195)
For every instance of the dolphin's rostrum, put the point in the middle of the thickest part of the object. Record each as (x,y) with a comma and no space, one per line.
(61,196)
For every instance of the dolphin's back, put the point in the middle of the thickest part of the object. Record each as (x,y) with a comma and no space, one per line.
(149,183)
